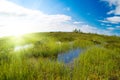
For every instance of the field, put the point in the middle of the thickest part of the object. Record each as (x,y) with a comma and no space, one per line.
(100,59)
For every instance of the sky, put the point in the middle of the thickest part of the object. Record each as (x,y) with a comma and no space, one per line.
(90,16)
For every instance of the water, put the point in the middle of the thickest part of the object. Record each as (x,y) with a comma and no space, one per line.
(17,48)
(69,56)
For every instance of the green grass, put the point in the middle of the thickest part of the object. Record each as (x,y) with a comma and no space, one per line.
(98,63)
(100,59)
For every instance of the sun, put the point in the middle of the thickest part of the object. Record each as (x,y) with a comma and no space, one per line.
(17,34)
(19,31)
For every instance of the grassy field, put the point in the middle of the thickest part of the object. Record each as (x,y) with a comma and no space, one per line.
(99,61)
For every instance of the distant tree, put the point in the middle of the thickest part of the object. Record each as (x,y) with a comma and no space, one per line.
(77,30)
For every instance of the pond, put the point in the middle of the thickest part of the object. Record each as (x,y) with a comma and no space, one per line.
(69,56)
(17,48)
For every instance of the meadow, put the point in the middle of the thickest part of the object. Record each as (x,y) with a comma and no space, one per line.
(100,59)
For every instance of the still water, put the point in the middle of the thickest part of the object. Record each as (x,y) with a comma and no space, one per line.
(17,48)
(69,56)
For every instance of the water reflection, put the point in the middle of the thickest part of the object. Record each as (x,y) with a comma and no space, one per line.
(17,48)
(69,56)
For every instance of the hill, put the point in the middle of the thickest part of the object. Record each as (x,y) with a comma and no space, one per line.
(34,57)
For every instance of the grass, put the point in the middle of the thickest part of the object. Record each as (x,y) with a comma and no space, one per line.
(99,61)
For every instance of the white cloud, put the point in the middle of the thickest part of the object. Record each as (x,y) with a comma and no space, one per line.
(111,28)
(16,19)
(78,22)
(110,12)
(116,3)
(104,21)
(114,19)
(90,29)
(87,29)
(116,11)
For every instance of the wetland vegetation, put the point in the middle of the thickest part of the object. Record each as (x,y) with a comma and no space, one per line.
(35,57)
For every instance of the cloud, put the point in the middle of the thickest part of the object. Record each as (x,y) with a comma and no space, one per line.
(111,28)
(116,11)
(116,3)
(78,22)
(90,29)
(110,12)
(17,19)
(114,19)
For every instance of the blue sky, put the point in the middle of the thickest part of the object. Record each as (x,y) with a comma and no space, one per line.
(95,16)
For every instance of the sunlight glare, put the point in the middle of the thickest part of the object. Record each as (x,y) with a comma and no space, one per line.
(19,31)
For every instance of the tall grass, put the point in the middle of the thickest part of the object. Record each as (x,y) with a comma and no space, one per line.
(33,69)
(99,61)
